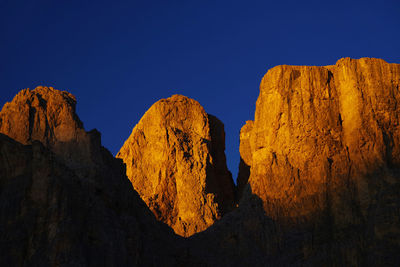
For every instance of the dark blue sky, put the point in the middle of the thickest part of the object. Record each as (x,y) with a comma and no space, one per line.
(119,57)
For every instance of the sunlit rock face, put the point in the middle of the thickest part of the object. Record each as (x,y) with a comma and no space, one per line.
(42,114)
(324,158)
(175,159)
(48,115)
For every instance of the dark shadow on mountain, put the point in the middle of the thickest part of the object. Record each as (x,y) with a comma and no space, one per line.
(242,179)
(51,216)
(219,179)
(328,236)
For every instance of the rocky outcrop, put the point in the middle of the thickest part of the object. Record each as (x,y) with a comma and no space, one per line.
(324,157)
(175,160)
(59,208)
(42,114)
(48,115)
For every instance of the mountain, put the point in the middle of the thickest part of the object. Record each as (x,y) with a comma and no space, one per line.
(176,162)
(65,200)
(323,156)
(318,182)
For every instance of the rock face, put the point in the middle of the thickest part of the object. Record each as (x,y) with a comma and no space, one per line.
(56,212)
(48,115)
(175,160)
(324,157)
(42,114)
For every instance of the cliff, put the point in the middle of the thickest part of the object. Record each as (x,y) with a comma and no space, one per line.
(175,160)
(48,115)
(323,157)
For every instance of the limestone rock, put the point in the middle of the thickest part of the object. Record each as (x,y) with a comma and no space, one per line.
(175,160)
(43,114)
(325,158)
(48,115)
(56,211)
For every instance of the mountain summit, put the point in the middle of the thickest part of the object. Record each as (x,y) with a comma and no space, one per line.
(175,159)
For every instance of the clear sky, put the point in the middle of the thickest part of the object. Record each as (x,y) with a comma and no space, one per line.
(119,57)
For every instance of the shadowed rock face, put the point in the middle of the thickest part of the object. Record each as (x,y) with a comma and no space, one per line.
(175,160)
(245,157)
(323,152)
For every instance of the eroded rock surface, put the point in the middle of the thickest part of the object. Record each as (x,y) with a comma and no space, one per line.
(175,160)
(325,157)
